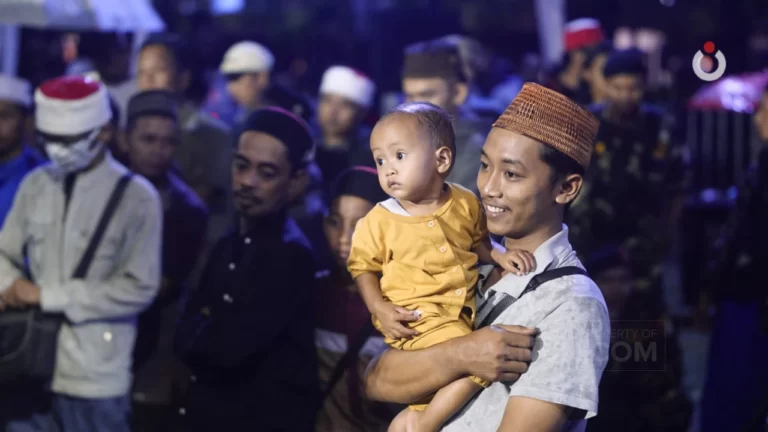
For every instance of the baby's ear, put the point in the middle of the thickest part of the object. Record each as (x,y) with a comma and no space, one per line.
(444,159)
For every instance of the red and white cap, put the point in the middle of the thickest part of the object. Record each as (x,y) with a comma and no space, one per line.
(348,83)
(581,33)
(71,105)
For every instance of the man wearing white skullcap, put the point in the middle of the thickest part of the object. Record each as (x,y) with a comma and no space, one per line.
(82,201)
(345,97)
(16,158)
(247,68)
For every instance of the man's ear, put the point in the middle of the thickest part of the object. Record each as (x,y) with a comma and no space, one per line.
(568,188)
(298,184)
(444,159)
(460,93)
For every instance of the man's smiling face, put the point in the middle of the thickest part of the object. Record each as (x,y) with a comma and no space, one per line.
(516,185)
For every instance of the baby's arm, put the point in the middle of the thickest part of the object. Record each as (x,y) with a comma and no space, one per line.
(515,261)
(389,315)
(365,264)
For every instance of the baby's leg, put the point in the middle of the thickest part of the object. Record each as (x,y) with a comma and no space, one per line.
(447,402)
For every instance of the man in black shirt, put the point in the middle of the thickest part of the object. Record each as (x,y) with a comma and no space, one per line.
(246,334)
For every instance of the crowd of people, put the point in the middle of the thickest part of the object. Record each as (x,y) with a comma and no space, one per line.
(260,262)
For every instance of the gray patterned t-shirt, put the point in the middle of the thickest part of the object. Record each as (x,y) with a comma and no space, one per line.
(570,352)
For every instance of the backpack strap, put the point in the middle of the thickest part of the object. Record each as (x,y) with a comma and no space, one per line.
(90,252)
(546,276)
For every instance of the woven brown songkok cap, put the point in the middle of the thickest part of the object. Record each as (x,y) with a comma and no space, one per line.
(551,118)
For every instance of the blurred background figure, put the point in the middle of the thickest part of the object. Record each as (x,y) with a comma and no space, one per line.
(433,72)
(152,135)
(17,157)
(203,156)
(580,36)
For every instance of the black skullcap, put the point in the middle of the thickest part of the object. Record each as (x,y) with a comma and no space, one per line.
(152,102)
(628,61)
(433,59)
(287,127)
(360,181)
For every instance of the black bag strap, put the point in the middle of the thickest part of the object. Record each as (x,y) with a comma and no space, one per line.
(545,276)
(348,359)
(114,200)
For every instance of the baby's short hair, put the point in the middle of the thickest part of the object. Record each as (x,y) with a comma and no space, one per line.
(434,119)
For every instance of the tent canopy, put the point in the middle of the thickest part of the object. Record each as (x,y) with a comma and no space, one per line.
(82,15)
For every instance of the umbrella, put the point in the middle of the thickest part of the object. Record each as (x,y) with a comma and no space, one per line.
(740,93)
(82,15)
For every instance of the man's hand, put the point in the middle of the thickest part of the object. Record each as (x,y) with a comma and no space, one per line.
(21,293)
(495,353)
(392,318)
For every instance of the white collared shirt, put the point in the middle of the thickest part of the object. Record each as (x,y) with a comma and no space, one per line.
(571,350)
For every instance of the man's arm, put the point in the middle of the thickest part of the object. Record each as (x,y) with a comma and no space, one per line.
(492,353)
(12,238)
(571,352)
(133,287)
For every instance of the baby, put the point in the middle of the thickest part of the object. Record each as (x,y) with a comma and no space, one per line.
(425,242)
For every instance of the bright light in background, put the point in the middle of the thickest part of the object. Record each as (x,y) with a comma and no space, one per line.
(226,7)
(667,3)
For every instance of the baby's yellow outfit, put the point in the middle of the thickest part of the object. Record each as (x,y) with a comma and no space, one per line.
(427,264)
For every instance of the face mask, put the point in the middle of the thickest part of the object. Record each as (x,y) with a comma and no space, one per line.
(75,156)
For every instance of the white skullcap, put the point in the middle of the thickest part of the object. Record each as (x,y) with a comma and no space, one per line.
(71,105)
(15,90)
(245,57)
(348,83)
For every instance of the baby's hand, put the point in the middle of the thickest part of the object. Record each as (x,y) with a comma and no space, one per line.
(517,261)
(391,318)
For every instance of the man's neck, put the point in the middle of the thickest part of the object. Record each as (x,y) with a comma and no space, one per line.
(532,242)
(12,153)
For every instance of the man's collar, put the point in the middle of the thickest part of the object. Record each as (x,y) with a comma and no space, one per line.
(552,251)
